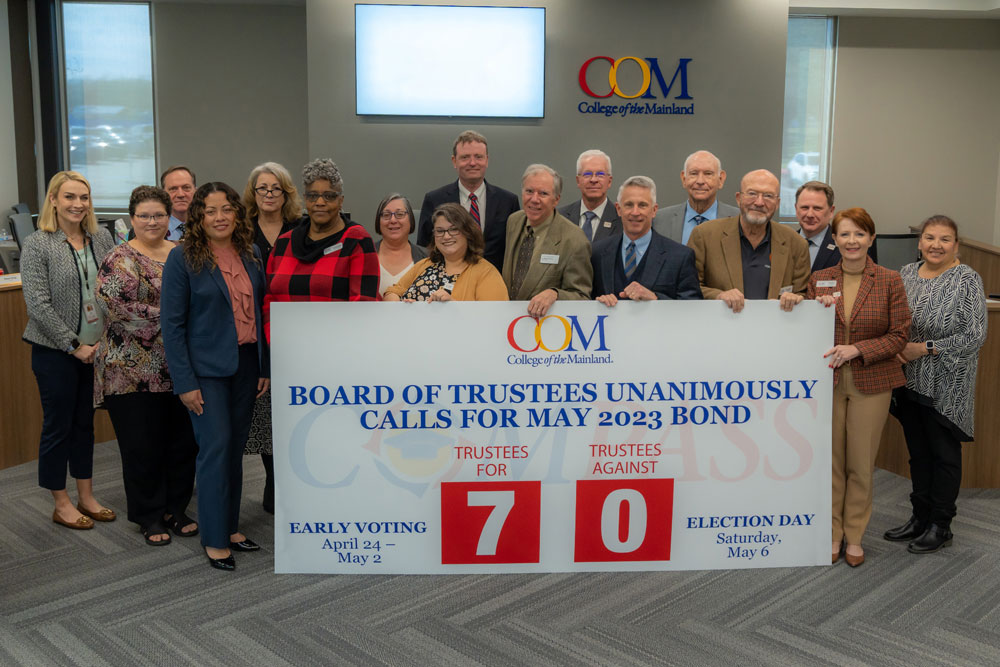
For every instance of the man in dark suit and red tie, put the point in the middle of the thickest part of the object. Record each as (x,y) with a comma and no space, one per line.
(489,205)
(637,263)
(593,212)
(814,210)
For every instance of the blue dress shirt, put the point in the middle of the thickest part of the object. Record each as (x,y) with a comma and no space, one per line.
(690,214)
(641,246)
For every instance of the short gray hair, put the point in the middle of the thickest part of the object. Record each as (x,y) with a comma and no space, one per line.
(718,162)
(544,168)
(322,168)
(593,152)
(638,182)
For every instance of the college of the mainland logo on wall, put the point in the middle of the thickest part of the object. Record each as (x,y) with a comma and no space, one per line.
(638,97)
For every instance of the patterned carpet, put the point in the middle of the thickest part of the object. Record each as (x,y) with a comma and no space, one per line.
(102,597)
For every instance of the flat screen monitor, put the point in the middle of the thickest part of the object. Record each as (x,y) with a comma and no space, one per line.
(418,60)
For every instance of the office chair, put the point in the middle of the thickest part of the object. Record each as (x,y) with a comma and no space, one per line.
(22,225)
(896,250)
(21,208)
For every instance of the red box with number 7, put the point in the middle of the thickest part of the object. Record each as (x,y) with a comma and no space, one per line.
(490,522)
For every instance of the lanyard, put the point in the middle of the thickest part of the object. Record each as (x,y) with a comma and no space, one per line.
(82,265)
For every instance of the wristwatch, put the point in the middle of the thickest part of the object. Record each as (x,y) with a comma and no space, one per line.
(73,344)
(930,347)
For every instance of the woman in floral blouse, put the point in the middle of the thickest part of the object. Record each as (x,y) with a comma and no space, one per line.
(131,379)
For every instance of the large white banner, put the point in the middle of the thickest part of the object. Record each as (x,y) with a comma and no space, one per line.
(469,437)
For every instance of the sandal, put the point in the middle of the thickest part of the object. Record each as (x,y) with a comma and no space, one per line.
(156,528)
(177,522)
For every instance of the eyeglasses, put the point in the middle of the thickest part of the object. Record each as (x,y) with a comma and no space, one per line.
(327,196)
(389,215)
(752,195)
(593,174)
(145,217)
(264,191)
(451,231)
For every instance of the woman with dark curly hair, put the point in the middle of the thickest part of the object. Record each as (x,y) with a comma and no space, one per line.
(132,381)
(213,287)
(454,270)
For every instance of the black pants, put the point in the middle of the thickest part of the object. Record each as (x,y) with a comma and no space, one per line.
(935,462)
(66,386)
(158,453)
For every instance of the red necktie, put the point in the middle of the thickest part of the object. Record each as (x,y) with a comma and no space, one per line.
(474,208)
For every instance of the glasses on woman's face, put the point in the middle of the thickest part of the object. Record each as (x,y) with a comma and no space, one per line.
(389,215)
(145,217)
(264,191)
(440,232)
(327,196)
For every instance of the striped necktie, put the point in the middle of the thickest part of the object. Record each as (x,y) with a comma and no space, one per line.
(698,219)
(630,260)
(474,208)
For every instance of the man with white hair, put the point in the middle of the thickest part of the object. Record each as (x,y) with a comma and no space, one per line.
(702,178)
(593,212)
(751,256)
(546,257)
(637,263)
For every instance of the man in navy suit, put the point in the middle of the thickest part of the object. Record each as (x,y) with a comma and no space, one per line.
(594,213)
(637,263)
(489,205)
(814,210)
(702,178)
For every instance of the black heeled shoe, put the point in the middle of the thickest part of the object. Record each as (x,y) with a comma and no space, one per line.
(910,530)
(246,545)
(227,563)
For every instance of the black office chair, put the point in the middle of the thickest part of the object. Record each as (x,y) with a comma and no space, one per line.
(21,208)
(22,225)
(896,250)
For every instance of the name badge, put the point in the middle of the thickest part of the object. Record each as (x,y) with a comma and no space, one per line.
(549,259)
(334,248)
(786,288)
(826,283)
(607,223)
(836,294)
(448,287)
(830,246)
(90,312)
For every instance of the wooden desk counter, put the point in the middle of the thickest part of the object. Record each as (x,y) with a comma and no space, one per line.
(20,406)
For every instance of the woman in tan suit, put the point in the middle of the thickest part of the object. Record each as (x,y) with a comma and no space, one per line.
(871,327)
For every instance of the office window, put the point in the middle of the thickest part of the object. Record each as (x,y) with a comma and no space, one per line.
(809,68)
(107,58)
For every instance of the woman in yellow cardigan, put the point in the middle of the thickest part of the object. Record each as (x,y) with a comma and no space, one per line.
(455,269)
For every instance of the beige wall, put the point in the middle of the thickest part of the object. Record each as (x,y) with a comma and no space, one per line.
(917,122)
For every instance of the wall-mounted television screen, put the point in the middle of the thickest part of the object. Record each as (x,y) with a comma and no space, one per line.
(419,60)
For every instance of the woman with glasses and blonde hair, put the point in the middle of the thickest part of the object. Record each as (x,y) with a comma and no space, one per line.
(132,381)
(455,269)
(327,257)
(59,265)
(213,287)
(274,208)
(396,254)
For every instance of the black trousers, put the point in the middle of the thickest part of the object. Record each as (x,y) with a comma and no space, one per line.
(66,387)
(158,453)
(935,462)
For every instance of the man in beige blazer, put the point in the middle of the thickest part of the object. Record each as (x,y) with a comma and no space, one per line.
(546,256)
(751,256)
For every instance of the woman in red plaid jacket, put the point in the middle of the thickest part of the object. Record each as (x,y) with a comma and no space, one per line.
(326,257)
(871,327)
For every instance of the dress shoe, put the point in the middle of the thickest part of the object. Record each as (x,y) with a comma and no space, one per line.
(246,545)
(228,563)
(83,523)
(934,539)
(852,560)
(910,530)
(103,514)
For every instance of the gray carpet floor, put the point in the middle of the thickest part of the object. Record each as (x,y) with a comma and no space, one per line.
(102,597)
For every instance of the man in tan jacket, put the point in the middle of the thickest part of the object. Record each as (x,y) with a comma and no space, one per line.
(751,256)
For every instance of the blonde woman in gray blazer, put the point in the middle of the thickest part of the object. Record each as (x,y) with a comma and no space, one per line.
(59,266)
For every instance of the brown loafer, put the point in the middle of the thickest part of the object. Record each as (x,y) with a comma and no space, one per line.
(83,523)
(103,514)
(854,561)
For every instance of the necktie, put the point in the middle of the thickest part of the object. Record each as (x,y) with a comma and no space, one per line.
(474,208)
(588,224)
(630,261)
(698,219)
(523,262)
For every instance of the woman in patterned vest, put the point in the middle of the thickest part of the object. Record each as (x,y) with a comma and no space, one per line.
(936,406)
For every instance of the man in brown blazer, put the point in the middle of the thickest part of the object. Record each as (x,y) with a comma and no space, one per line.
(546,257)
(751,256)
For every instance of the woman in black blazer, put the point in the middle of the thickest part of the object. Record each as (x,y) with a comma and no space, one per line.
(213,287)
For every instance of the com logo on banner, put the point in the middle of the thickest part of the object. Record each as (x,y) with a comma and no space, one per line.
(563,334)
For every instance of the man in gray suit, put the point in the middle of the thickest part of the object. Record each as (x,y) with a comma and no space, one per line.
(594,212)
(703,177)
